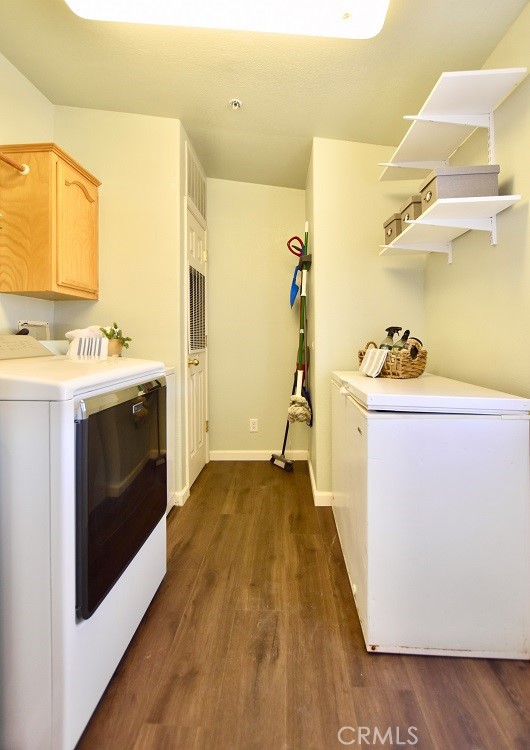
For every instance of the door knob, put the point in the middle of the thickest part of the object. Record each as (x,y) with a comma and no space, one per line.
(193,362)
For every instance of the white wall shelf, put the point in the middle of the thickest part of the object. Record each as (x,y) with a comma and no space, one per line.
(459,103)
(447,219)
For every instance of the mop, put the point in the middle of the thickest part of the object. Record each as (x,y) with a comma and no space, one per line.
(300,408)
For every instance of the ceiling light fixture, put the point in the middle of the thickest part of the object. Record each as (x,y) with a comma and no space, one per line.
(346,19)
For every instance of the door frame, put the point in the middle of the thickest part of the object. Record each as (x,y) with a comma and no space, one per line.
(192,180)
(190,208)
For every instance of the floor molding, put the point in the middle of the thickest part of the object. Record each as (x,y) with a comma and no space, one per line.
(256,455)
(178,498)
(321,499)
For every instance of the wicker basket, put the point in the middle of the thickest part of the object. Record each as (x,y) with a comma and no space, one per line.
(400,364)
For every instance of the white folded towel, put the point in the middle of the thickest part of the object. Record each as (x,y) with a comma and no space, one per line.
(88,348)
(89,332)
(373,361)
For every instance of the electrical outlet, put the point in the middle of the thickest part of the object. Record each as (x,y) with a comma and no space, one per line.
(253,425)
(39,329)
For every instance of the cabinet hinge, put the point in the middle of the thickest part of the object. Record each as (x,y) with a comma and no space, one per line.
(206,426)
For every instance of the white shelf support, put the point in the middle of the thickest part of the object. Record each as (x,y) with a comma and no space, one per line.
(475,121)
(491,140)
(479,223)
(430,165)
(493,230)
(397,248)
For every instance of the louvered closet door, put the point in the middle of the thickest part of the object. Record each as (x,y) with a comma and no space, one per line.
(197,341)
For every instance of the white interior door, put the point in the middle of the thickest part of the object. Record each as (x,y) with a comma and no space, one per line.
(197,390)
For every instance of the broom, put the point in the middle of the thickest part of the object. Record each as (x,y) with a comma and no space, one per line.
(299,409)
(278,459)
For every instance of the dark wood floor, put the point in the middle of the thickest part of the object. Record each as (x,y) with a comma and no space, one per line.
(253,643)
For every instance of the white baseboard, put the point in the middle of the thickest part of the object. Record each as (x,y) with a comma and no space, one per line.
(256,455)
(178,498)
(321,499)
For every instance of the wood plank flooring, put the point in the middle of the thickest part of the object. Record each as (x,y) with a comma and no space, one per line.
(253,643)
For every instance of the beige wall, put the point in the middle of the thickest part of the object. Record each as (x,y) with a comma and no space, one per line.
(478,308)
(137,159)
(310,215)
(27,117)
(253,332)
(356,294)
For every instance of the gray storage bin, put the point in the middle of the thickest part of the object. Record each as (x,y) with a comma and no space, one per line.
(460,182)
(392,228)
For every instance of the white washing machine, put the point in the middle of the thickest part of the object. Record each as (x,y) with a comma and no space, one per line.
(83,495)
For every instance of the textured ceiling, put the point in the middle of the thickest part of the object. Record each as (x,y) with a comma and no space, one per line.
(292,88)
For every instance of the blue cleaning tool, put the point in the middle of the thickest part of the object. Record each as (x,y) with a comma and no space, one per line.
(294,286)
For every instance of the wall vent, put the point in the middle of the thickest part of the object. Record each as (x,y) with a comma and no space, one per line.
(197,319)
(195,183)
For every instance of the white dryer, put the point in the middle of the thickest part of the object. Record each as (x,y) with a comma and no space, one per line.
(83,495)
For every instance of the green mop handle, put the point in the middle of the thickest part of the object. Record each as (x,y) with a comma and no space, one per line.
(300,359)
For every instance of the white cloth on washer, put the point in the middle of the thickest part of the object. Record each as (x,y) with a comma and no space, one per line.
(88,347)
(89,332)
(373,361)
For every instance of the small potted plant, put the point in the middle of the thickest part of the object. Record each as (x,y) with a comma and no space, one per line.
(117,341)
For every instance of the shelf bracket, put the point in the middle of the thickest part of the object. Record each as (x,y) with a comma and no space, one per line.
(413,164)
(491,140)
(480,223)
(429,247)
(423,247)
(474,121)
(493,230)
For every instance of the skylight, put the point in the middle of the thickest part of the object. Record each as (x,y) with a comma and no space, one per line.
(347,19)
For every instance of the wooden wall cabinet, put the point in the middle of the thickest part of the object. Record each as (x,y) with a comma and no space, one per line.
(49,220)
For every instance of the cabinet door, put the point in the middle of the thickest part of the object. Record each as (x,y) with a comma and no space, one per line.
(339,457)
(356,506)
(77,231)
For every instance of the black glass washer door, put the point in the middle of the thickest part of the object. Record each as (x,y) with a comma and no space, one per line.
(121,478)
